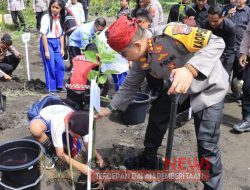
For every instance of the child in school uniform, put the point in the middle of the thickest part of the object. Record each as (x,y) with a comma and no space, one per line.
(52,46)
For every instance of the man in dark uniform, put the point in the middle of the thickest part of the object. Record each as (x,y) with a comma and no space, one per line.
(191,57)
(224,28)
(201,11)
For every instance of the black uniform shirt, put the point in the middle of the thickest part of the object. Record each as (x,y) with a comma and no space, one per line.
(227,31)
(200,15)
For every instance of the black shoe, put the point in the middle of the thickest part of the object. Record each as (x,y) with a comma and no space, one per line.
(61,90)
(243,126)
(25,29)
(143,161)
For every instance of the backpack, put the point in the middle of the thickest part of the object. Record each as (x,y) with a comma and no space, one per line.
(42,103)
(79,74)
(70,23)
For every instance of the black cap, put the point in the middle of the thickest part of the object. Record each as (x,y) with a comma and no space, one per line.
(6,39)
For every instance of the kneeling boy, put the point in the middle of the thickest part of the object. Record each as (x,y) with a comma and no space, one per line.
(53,120)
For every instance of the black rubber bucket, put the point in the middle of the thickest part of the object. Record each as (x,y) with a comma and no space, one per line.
(19,164)
(137,110)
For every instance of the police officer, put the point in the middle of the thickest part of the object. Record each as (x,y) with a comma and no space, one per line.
(191,57)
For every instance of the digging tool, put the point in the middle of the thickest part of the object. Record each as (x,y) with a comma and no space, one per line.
(172,123)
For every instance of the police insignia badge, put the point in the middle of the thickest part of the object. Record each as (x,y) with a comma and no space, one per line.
(162,56)
(145,66)
(150,45)
(158,48)
(181,29)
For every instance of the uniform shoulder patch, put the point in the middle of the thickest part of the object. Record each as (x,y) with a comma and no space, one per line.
(193,38)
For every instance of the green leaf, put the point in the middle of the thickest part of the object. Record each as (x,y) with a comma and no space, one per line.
(99,43)
(92,74)
(104,97)
(182,9)
(106,56)
(91,56)
(110,72)
(102,79)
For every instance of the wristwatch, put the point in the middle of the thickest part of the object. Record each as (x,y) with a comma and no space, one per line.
(111,108)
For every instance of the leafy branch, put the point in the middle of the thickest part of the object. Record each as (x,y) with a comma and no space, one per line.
(104,56)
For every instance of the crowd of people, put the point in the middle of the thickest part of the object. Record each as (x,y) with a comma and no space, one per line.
(197,53)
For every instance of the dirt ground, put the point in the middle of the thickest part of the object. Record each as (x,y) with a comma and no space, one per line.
(116,141)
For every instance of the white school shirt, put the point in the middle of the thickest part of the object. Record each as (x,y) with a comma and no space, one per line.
(77,11)
(45,27)
(120,64)
(15,5)
(54,116)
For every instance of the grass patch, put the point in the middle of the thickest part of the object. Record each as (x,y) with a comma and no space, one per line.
(29,17)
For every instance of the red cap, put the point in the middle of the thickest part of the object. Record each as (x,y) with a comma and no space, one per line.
(121,32)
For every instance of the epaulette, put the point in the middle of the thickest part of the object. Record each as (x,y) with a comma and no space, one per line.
(157,49)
